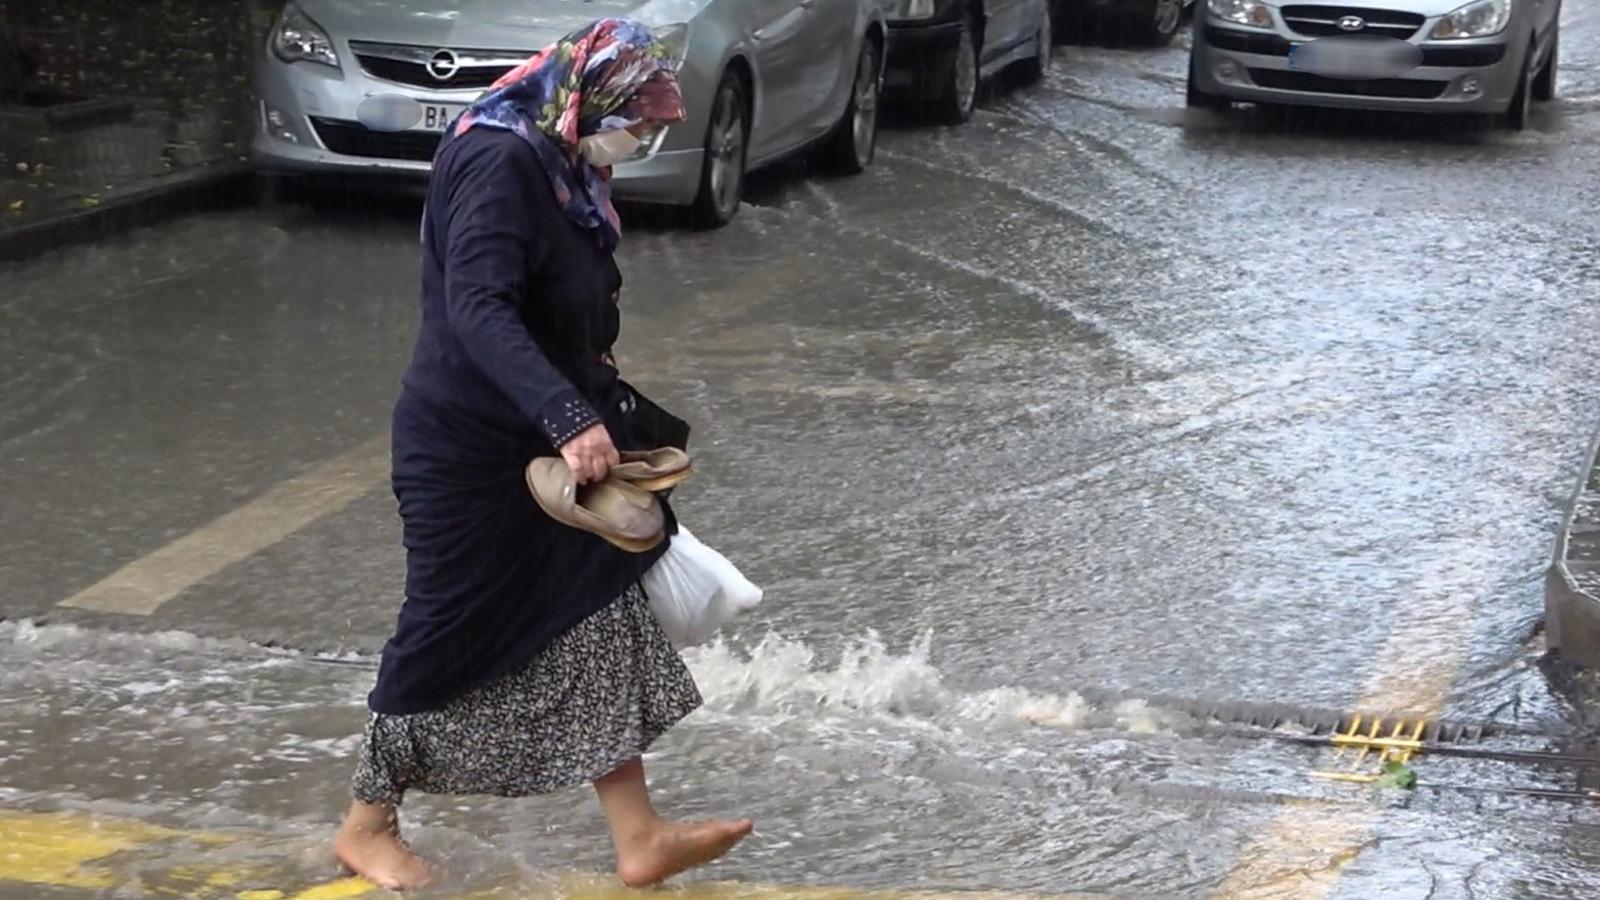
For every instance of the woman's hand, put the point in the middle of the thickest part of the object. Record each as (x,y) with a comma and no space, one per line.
(590,455)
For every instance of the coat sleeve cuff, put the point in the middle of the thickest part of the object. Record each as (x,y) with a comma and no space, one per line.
(565,417)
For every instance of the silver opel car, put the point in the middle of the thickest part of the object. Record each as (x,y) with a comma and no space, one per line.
(347,86)
(1483,56)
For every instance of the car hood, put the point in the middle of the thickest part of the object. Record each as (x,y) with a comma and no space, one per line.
(489,24)
(1420,7)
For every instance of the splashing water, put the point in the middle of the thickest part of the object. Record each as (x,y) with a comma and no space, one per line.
(782,676)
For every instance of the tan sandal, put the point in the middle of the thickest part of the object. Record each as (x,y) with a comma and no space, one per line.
(626,516)
(653,470)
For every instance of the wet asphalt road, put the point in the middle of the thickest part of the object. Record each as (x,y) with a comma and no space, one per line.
(1092,395)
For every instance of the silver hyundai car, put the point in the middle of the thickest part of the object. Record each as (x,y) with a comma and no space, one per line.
(763,79)
(1483,56)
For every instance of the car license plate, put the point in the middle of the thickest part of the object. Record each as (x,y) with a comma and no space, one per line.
(1355,58)
(435,116)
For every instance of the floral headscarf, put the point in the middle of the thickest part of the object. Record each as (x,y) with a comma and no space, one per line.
(613,74)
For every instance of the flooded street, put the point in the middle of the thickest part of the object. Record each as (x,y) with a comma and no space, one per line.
(1043,436)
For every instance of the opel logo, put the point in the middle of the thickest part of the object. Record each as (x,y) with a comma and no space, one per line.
(444,65)
(1352,23)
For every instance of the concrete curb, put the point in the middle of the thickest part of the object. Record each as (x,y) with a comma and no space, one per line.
(1572,612)
(209,187)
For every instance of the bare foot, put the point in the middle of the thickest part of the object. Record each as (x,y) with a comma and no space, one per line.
(379,856)
(673,847)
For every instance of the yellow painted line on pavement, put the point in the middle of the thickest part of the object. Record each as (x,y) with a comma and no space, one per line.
(53,850)
(142,586)
(101,855)
(1304,849)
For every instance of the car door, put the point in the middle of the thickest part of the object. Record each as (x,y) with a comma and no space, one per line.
(1007,27)
(779,35)
(836,45)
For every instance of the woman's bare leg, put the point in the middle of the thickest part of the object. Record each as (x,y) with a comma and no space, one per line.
(369,843)
(651,849)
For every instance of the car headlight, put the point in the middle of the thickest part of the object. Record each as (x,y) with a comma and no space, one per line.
(912,9)
(675,38)
(1479,19)
(297,38)
(1253,13)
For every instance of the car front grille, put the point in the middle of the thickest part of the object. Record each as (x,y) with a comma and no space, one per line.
(1324,21)
(1398,88)
(435,68)
(355,139)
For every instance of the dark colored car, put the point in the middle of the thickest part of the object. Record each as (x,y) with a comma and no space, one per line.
(1152,23)
(942,50)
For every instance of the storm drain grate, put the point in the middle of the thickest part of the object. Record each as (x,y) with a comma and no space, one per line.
(1369,748)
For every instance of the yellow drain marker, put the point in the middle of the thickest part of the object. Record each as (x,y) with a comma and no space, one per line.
(1396,747)
(90,853)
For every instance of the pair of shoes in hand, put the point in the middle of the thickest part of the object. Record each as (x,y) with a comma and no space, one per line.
(623,508)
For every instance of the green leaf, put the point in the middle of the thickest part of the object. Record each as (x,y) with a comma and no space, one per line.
(1397,776)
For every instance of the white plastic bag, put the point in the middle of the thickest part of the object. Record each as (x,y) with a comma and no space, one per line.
(694,591)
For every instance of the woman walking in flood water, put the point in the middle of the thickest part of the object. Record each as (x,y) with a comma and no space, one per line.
(525,659)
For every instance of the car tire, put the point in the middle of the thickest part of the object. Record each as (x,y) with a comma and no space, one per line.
(855,139)
(1156,22)
(1516,115)
(1034,70)
(958,95)
(1544,84)
(727,148)
(1196,98)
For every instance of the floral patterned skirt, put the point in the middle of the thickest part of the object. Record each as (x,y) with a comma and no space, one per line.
(595,698)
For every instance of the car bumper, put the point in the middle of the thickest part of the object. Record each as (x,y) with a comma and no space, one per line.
(1113,7)
(1253,67)
(915,46)
(313,130)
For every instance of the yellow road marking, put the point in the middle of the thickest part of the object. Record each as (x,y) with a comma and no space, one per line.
(93,853)
(142,586)
(54,850)
(1309,850)
(337,890)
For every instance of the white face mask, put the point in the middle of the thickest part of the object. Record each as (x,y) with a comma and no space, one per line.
(609,147)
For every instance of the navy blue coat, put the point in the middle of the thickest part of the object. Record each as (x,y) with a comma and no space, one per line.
(519,314)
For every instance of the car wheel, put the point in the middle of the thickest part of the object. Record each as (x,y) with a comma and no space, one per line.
(855,139)
(958,96)
(1157,22)
(1516,115)
(726,151)
(1034,70)
(1544,85)
(1195,98)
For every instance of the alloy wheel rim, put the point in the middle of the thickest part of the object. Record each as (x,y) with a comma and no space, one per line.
(865,126)
(727,152)
(1047,40)
(966,72)
(1168,14)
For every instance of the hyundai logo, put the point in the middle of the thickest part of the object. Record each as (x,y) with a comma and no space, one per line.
(444,65)
(1352,23)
